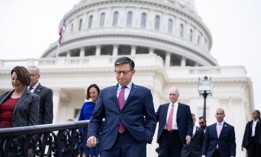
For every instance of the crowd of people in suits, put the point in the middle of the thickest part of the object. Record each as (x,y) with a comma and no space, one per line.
(130,118)
(185,139)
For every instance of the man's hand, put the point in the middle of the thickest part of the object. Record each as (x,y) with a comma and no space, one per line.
(188,139)
(91,141)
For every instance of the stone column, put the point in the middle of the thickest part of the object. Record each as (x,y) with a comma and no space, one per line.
(133,50)
(183,62)
(151,50)
(167,59)
(82,53)
(115,50)
(68,54)
(98,50)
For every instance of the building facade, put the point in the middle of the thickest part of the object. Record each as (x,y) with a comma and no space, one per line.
(169,43)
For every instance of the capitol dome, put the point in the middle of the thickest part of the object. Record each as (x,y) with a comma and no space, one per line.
(169,43)
(170,29)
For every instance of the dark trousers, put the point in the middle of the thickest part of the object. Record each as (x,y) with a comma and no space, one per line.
(126,146)
(216,153)
(253,150)
(170,144)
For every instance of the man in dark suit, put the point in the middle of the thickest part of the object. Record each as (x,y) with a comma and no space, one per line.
(194,148)
(175,126)
(219,140)
(45,94)
(251,136)
(129,114)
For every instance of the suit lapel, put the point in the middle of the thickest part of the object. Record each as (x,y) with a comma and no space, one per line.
(179,111)
(165,112)
(196,133)
(132,92)
(114,96)
(38,89)
(6,96)
(21,99)
(215,130)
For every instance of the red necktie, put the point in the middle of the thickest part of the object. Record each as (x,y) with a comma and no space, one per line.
(169,123)
(121,103)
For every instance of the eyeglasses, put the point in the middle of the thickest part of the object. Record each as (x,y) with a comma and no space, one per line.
(201,122)
(33,75)
(124,73)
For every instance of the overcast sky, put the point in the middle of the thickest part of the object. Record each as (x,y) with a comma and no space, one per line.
(28,27)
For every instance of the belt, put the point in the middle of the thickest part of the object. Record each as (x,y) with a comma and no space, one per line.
(171,131)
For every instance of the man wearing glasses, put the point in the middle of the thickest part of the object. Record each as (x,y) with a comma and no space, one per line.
(130,119)
(45,94)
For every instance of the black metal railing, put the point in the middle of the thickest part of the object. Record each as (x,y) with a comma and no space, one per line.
(49,140)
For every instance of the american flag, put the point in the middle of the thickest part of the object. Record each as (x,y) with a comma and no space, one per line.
(61,30)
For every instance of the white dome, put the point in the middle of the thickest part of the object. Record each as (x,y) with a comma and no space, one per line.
(184,3)
(169,28)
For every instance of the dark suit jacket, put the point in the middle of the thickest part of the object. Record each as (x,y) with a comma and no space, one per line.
(137,115)
(184,120)
(226,141)
(194,148)
(248,132)
(26,111)
(46,104)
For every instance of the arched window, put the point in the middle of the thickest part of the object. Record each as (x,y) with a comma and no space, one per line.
(102,19)
(90,21)
(170,25)
(80,25)
(129,19)
(143,20)
(181,30)
(190,35)
(115,18)
(157,22)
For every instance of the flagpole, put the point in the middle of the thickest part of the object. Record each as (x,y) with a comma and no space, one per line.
(61,35)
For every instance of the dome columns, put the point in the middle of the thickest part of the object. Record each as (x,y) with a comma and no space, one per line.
(183,61)
(133,50)
(98,50)
(151,51)
(167,59)
(68,54)
(82,52)
(115,50)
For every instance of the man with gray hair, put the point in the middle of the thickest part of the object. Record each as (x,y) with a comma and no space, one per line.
(175,126)
(45,94)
